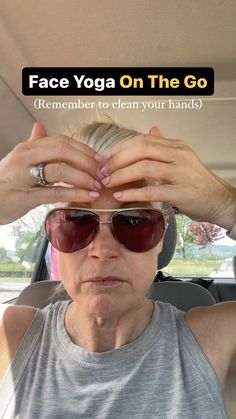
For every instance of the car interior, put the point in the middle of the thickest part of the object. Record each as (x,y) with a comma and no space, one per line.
(125,34)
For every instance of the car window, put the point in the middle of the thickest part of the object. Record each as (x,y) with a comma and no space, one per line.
(202,250)
(19,244)
(228,266)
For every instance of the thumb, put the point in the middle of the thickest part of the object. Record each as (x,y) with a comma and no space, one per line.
(155,131)
(38,131)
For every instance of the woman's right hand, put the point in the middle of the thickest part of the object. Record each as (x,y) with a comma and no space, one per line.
(65,160)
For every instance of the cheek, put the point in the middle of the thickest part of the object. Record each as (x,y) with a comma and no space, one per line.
(64,264)
(144,269)
(73,268)
(150,262)
(68,267)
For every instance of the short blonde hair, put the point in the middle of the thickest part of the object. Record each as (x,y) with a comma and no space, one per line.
(101,136)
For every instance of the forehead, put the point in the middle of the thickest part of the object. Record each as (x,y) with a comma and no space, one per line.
(107,200)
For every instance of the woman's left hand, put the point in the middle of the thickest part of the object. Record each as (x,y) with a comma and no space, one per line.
(174,174)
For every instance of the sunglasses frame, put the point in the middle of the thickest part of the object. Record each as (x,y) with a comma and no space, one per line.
(95,211)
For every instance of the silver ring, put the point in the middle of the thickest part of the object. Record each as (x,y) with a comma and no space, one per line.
(37,172)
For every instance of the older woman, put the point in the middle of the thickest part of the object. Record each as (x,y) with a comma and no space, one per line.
(110,352)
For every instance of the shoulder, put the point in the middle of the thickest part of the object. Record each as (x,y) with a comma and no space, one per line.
(15,316)
(14,321)
(213,328)
(216,320)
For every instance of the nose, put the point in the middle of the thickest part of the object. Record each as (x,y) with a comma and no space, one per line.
(104,246)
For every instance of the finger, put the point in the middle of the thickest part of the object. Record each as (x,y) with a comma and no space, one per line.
(159,193)
(85,148)
(145,169)
(38,131)
(155,131)
(60,172)
(145,147)
(57,149)
(54,194)
(142,139)
(149,193)
(139,149)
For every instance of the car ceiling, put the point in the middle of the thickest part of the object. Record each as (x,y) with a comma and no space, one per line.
(127,33)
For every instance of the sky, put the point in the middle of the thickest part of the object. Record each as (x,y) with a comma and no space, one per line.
(6,239)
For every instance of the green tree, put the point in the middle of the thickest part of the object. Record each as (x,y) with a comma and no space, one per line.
(27,245)
(29,231)
(184,236)
(4,259)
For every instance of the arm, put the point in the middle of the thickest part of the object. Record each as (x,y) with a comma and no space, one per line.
(213,328)
(14,321)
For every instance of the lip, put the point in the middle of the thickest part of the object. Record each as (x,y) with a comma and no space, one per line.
(108,281)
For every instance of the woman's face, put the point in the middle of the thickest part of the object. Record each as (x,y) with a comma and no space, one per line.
(103,258)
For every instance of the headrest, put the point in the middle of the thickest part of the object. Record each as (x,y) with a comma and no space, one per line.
(183,295)
(169,243)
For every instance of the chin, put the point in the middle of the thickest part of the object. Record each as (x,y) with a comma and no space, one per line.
(101,306)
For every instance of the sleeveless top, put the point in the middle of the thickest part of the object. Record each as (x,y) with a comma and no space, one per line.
(163,374)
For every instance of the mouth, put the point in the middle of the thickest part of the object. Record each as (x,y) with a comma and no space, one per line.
(105,282)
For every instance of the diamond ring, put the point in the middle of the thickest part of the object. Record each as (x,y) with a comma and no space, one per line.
(37,172)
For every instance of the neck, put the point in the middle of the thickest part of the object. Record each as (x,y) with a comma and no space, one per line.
(102,333)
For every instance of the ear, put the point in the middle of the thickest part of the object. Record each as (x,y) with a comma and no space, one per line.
(38,131)
(155,131)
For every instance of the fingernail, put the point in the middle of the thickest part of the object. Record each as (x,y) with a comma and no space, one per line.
(97,185)
(106,180)
(117,195)
(105,169)
(94,194)
(100,175)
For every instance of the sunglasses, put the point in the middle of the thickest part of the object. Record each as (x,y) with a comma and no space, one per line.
(138,229)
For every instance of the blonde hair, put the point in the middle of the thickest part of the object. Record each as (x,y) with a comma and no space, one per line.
(101,136)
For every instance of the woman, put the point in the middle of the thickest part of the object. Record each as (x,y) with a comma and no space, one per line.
(110,351)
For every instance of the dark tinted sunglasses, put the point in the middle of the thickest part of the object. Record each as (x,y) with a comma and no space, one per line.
(72,229)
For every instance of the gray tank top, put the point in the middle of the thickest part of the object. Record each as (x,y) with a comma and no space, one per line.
(163,374)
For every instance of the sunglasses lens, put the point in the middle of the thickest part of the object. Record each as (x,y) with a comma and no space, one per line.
(139,230)
(71,230)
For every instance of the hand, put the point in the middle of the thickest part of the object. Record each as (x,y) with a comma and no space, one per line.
(65,159)
(175,175)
